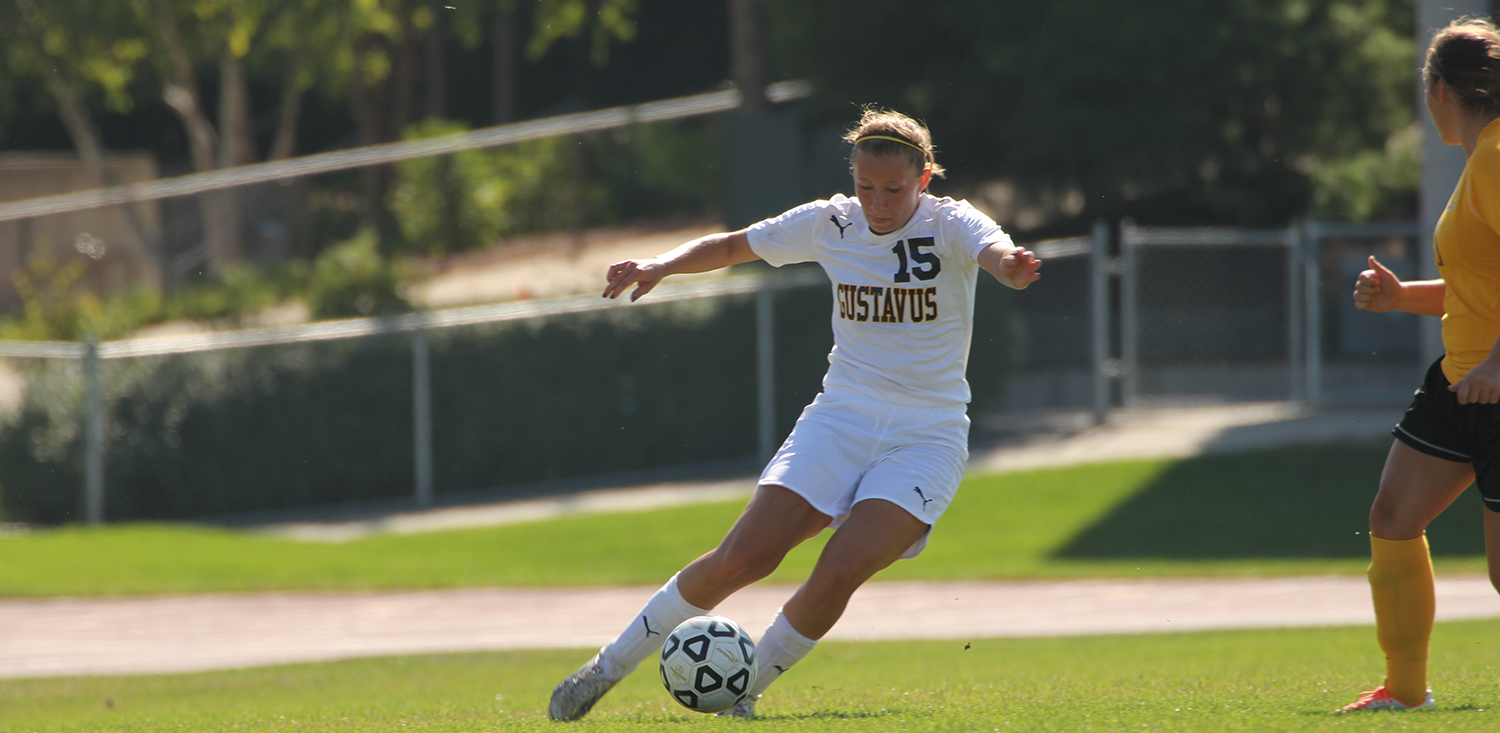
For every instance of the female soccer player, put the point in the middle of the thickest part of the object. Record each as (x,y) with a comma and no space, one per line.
(1450,435)
(879,453)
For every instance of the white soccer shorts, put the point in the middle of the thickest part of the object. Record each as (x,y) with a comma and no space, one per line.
(845,449)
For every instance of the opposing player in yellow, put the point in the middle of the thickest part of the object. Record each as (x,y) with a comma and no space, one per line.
(1450,435)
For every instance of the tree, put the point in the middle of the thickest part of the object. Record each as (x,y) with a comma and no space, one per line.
(605,21)
(79,52)
(387,59)
(225,33)
(1176,111)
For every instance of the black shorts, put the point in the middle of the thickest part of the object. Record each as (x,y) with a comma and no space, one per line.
(1437,425)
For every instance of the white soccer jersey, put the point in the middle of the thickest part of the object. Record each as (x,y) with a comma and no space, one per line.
(903,310)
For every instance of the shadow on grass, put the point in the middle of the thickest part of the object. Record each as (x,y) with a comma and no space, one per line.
(825,715)
(1309,501)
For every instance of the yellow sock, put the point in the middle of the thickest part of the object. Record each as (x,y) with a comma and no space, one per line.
(1402,587)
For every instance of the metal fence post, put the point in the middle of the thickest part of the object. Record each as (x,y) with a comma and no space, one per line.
(765,370)
(93,435)
(1294,291)
(1099,305)
(422,414)
(1130,367)
(1312,242)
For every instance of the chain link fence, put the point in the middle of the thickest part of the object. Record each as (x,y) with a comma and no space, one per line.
(1354,356)
(1062,336)
(447,402)
(519,394)
(1210,314)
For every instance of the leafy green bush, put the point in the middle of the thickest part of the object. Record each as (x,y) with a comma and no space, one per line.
(471,198)
(53,309)
(240,290)
(657,169)
(49,309)
(475,197)
(1370,184)
(352,279)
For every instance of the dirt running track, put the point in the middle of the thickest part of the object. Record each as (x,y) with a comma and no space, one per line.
(175,634)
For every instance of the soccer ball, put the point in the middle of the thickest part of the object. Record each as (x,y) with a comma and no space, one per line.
(708,663)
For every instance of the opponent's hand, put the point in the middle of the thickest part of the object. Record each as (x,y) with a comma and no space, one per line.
(1481,386)
(643,274)
(1376,289)
(1018,268)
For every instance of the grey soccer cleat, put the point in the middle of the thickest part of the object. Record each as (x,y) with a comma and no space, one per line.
(575,696)
(745,708)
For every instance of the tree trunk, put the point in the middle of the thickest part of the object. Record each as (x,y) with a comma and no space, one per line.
(234,149)
(437,62)
(747,48)
(369,103)
(181,92)
(182,95)
(288,111)
(506,66)
(90,147)
(404,75)
(284,145)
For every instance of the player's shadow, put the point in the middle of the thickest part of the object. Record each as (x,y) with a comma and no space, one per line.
(1302,502)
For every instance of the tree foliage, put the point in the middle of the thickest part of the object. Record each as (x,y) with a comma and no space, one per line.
(1174,110)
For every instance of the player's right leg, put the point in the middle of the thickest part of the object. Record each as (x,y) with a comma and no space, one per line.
(1415,487)
(1492,546)
(774,521)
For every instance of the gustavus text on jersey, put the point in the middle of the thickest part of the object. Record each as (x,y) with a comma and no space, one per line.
(877,304)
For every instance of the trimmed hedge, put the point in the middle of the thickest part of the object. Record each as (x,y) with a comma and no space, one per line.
(265,428)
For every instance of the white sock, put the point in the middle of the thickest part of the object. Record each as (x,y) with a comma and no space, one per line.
(645,634)
(776,652)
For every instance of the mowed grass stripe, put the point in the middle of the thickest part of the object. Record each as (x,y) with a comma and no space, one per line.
(1287,511)
(1276,680)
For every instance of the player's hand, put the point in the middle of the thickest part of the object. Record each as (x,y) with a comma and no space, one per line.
(643,274)
(1481,386)
(1376,289)
(1018,268)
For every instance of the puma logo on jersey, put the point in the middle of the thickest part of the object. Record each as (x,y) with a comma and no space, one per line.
(842,226)
(877,304)
(649,632)
(922,496)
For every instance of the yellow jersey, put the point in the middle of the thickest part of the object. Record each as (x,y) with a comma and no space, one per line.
(1466,245)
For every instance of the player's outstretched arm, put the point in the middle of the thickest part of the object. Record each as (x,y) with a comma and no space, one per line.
(1379,290)
(1013,266)
(700,255)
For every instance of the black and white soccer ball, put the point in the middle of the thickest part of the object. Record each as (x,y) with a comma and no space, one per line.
(708,663)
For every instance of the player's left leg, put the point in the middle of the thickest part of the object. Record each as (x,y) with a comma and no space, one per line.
(913,459)
(1415,487)
(875,535)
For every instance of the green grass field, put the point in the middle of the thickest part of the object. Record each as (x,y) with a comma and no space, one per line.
(1283,680)
(1288,511)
